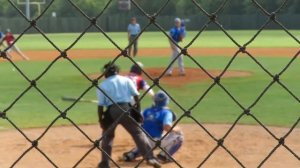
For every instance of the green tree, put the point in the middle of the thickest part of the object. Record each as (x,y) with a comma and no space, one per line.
(235,7)
(293,6)
(7,10)
(184,7)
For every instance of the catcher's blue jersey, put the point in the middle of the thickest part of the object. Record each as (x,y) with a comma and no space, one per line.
(154,120)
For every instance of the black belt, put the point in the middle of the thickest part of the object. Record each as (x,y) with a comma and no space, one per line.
(120,104)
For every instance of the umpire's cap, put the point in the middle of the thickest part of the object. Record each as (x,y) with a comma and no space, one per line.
(110,69)
(161,99)
(137,68)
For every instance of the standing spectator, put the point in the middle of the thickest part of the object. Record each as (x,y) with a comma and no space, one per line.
(177,33)
(120,90)
(134,30)
(10,39)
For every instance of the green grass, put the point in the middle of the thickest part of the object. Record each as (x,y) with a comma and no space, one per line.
(267,38)
(277,107)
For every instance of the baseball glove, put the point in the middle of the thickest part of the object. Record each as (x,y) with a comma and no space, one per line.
(180,37)
(136,115)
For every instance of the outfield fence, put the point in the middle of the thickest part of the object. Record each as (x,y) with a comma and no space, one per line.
(118,23)
(269,17)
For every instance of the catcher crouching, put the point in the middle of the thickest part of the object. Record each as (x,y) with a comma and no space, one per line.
(157,119)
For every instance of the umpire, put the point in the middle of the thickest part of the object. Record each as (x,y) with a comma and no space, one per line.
(134,30)
(121,90)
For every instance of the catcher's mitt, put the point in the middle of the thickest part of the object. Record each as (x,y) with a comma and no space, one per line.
(181,37)
(136,115)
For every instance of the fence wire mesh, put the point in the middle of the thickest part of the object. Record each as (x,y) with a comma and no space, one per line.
(185,112)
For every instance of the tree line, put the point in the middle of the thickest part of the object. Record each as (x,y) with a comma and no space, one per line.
(63,8)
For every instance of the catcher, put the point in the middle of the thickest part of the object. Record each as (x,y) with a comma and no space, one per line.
(177,33)
(157,119)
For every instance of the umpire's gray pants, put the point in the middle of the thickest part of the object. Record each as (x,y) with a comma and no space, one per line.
(139,137)
(135,45)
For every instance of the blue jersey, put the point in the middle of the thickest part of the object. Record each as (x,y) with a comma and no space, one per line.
(176,32)
(154,120)
(1,35)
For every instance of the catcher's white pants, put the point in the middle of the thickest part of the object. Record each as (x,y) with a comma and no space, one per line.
(175,53)
(171,144)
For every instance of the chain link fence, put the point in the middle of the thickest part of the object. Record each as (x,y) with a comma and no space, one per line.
(185,112)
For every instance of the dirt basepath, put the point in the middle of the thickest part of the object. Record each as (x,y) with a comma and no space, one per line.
(153,52)
(65,146)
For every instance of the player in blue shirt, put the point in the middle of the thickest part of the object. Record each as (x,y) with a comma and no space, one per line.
(157,119)
(183,27)
(1,36)
(177,33)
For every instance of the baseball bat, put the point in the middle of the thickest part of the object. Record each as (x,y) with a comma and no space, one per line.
(72,99)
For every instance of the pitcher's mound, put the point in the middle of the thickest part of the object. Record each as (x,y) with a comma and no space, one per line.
(192,75)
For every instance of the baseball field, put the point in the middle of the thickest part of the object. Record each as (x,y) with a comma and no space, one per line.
(244,79)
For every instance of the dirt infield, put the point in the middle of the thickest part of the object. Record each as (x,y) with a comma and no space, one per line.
(65,146)
(47,55)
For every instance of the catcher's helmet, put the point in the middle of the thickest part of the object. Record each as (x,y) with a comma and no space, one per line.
(161,99)
(110,69)
(137,69)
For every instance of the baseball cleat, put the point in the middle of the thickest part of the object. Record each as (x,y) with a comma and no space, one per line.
(153,162)
(163,158)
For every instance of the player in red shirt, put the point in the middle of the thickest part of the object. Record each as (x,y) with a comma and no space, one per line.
(135,75)
(9,39)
